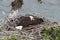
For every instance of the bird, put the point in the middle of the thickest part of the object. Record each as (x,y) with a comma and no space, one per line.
(16,4)
(25,21)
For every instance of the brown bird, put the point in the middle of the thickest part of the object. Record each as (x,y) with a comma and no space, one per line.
(24,21)
(30,20)
(16,4)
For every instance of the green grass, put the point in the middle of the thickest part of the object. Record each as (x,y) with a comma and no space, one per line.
(51,33)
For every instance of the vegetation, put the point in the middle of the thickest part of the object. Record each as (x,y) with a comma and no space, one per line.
(51,33)
(0,29)
(40,1)
(25,38)
(13,37)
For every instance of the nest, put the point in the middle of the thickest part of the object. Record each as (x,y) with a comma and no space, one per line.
(33,31)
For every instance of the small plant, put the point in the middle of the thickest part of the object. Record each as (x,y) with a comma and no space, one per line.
(6,38)
(51,33)
(40,1)
(0,29)
(13,37)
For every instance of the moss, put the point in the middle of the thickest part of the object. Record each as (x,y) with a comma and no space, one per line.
(52,33)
